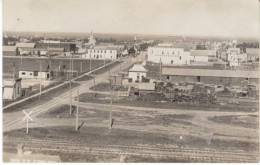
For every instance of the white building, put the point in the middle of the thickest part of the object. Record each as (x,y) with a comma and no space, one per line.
(102,53)
(44,75)
(235,57)
(137,73)
(202,55)
(12,89)
(168,55)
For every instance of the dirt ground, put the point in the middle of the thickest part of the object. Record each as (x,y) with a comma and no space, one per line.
(247,121)
(167,124)
(244,106)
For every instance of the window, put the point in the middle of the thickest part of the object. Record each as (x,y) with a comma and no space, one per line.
(35,73)
(171,61)
(30,74)
(180,57)
(110,51)
(23,73)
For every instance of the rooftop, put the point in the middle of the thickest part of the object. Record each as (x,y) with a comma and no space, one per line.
(138,68)
(25,45)
(209,72)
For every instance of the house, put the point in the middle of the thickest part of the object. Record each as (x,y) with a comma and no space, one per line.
(202,55)
(33,73)
(253,54)
(137,73)
(235,57)
(9,50)
(44,75)
(168,55)
(12,89)
(101,53)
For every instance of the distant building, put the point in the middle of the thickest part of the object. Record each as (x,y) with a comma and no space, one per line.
(9,50)
(32,51)
(25,45)
(253,54)
(12,89)
(168,55)
(66,46)
(137,73)
(202,55)
(101,53)
(44,75)
(235,57)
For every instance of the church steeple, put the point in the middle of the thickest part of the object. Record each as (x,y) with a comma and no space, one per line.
(91,40)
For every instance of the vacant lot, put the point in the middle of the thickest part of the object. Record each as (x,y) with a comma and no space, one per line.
(107,87)
(162,102)
(247,121)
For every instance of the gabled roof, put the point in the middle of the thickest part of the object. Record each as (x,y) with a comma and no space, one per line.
(137,68)
(9,48)
(25,45)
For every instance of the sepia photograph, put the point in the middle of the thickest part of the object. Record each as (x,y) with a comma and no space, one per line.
(130,81)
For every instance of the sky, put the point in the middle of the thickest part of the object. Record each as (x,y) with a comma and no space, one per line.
(228,18)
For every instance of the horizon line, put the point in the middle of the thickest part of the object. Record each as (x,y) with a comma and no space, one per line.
(142,34)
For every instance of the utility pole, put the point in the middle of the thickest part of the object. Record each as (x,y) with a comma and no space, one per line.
(81,67)
(77,113)
(111,103)
(70,85)
(110,113)
(90,63)
(40,75)
(160,69)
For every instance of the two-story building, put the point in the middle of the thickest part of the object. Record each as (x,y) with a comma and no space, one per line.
(101,53)
(168,55)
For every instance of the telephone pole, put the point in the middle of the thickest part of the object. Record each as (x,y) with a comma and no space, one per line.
(70,84)
(40,75)
(111,103)
(77,112)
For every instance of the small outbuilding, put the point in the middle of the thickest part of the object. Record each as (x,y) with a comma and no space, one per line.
(137,73)
(12,89)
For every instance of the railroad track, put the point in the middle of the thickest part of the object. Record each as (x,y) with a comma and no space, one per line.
(193,154)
